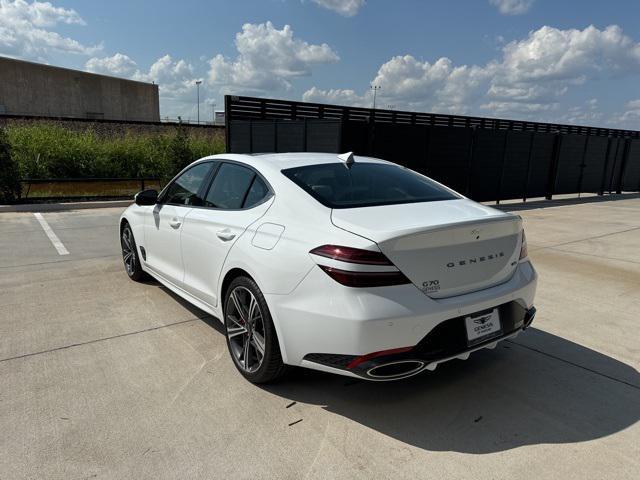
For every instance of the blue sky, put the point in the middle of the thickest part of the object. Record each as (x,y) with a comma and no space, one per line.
(570,61)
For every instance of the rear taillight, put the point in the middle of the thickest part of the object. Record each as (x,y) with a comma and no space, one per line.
(524,251)
(354,267)
(351,255)
(365,279)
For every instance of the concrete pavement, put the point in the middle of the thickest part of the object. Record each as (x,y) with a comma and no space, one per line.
(101,377)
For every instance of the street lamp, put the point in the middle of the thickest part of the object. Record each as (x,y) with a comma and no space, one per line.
(198,82)
(375,89)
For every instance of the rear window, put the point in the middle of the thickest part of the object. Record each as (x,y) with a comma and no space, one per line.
(365,185)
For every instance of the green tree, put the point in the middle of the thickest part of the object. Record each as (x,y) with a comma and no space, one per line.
(9,174)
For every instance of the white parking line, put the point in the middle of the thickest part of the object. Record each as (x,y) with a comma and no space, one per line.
(51,234)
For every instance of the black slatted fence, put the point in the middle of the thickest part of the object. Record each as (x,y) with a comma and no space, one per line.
(484,158)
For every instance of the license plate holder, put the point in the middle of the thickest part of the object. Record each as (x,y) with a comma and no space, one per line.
(482,326)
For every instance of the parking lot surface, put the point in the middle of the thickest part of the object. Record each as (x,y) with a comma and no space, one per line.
(101,377)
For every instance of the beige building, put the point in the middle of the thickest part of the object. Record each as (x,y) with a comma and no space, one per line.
(33,89)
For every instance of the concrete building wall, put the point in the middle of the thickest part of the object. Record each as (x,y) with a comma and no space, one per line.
(33,89)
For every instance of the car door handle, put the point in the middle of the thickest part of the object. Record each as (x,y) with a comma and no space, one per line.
(175,223)
(225,235)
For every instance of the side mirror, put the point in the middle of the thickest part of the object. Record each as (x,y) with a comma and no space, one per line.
(146,197)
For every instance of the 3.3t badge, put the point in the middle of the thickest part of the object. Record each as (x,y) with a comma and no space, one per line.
(431,286)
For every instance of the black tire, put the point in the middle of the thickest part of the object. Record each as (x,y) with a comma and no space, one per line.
(270,367)
(130,257)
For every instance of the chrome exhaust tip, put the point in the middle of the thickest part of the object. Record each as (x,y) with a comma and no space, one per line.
(396,370)
(528,318)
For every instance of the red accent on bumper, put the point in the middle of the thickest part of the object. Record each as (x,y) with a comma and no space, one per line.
(369,356)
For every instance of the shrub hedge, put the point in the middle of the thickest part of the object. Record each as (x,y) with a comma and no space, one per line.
(9,172)
(51,151)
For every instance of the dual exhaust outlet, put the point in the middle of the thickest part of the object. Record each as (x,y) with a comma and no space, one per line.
(396,370)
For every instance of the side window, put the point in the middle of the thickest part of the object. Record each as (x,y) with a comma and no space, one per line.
(184,189)
(229,187)
(257,193)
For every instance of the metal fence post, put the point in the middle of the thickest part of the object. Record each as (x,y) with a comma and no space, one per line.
(613,167)
(623,164)
(504,159)
(604,169)
(472,144)
(582,165)
(304,135)
(371,141)
(553,166)
(275,135)
(227,123)
(427,145)
(527,177)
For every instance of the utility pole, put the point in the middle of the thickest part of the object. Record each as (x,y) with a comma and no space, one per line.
(198,82)
(375,89)
(213,113)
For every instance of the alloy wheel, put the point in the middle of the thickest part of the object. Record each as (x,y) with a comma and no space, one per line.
(128,251)
(245,329)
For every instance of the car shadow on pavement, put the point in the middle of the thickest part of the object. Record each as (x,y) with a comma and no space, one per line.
(197,313)
(536,389)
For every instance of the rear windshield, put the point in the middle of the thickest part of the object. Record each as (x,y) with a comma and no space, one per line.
(365,185)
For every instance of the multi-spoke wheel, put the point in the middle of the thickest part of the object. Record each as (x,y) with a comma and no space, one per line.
(245,329)
(251,337)
(130,254)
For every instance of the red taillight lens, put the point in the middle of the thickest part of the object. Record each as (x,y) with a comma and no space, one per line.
(354,267)
(365,279)
(524,251)
(352,255)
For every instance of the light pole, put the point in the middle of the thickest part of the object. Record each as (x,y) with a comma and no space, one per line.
(375,89)
(198,82)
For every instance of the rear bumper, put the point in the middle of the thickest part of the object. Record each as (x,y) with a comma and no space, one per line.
(322,317)
(445,342)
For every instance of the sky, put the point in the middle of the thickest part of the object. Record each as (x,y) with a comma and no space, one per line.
(570,61)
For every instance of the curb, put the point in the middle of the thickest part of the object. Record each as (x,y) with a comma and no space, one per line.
(57,207)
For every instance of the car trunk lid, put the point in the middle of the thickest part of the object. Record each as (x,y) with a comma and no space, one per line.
(445,248)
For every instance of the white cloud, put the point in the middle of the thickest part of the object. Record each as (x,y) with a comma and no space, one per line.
(25,30)
(512,7)
(586,114)
(630,118)
(531,76)
(542,68)
(346,8)
(175,79)
(553,54)
(404,80)
(268,59)
(119,65)
(337,96)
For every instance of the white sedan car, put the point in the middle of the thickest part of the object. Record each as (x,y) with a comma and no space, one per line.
(350,265)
